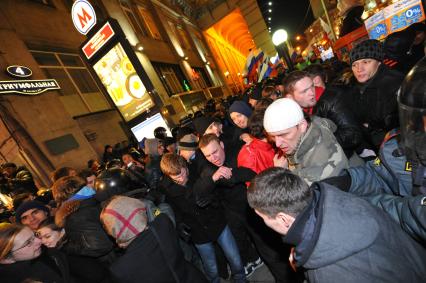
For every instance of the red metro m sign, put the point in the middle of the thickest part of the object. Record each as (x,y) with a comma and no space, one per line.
(83,16)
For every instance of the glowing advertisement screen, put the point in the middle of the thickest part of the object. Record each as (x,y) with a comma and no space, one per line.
(147,127)
(122,83)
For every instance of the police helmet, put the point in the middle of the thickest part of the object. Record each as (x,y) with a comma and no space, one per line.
(412,113)
(113,181)
(160,133)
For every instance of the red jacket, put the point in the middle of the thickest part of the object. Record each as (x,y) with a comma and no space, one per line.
(258,156)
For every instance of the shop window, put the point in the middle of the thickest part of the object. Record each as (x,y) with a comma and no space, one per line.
(133,20)
(46,59)
(79,91)
(150,23)
(172,78)
(201,77)
(83,80)
(67,87)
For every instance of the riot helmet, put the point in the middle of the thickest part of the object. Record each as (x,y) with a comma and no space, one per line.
(160,133)
(412,116)
(113,181)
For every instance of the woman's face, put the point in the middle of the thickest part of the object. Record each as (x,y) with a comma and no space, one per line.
(26,246)
(49,237)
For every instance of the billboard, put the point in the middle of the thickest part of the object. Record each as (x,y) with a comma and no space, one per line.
(123,84)
(147,127)
(376,26)
(393,18)
(402,14)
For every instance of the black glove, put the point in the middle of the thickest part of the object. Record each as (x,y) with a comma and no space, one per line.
(342,182)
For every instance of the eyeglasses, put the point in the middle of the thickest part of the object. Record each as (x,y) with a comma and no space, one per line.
(28,243)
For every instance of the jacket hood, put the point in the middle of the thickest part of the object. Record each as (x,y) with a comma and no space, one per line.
(345,218)
(65,210)
(312,135)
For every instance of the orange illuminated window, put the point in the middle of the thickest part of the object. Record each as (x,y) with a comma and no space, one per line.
(150,23)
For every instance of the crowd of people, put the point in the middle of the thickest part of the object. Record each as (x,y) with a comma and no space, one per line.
(319,174)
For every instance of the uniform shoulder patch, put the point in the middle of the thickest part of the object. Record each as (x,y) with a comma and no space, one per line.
(377,161)
(408,166)
(157,212)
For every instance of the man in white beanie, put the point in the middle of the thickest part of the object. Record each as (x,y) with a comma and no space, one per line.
(309,149)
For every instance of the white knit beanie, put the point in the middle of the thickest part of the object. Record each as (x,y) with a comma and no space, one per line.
(282,114)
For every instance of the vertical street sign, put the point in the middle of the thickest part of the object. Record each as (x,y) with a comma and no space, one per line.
(83,16)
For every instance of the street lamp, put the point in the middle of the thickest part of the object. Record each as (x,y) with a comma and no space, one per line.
(278,39)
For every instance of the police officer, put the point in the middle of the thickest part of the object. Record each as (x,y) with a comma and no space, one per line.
(396,180)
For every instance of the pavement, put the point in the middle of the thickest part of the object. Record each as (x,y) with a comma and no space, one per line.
(261,275)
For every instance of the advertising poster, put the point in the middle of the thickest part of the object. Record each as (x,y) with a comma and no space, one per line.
(376,26)
(122,83)
(402,14)
(147,127)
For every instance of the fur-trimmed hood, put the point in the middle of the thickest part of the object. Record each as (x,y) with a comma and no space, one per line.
(66,209)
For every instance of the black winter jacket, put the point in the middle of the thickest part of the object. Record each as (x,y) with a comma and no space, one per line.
(375,104)
(49,267)
(334,105)
(85,234)
(150,259)
(206,223)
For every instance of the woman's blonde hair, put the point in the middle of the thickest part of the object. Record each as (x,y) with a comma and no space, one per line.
(8,234)
(65,187)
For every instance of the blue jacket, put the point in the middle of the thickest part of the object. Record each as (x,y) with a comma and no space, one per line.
(389,173)
(386,183)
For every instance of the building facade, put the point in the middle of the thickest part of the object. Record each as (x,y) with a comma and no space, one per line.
(68,126)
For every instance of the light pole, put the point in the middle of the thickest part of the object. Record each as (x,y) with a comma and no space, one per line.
(278,39)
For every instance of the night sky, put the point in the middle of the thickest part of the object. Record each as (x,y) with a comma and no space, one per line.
(287,14)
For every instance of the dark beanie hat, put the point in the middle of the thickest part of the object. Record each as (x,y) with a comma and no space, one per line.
(241,107)
(368,49)
(202,123)
(32,204)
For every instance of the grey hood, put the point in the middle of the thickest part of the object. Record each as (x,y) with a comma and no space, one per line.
(342,226)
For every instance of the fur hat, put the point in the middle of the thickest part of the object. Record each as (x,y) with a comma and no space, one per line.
(188,142)
(124,218)
(241,107)
(282,114)
(32,204)
(367,49)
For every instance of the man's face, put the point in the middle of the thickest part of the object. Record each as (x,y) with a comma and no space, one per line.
(90,181)
(26,246)
(288,140)
(187,154)
(160,149)
(33,217)
(275,223)
(215,153)
(239,119)
(181,178)
(304,93)
(214,128)
(365,69)
(9,171)
(127,158)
